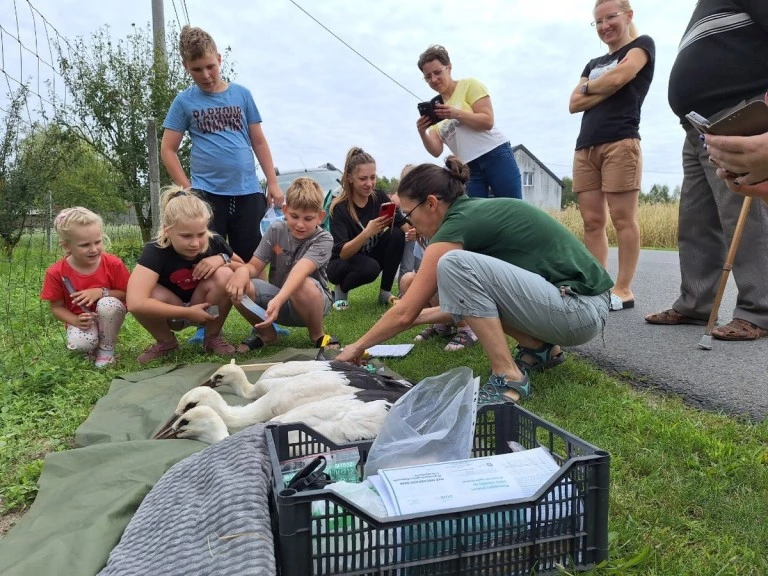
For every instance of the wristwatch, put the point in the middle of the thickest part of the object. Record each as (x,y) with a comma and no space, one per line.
(226,257)
(585,87)
(104,292)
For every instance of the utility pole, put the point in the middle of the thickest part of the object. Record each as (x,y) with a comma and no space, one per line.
(48,238)
(161,64)
(158,29)
(153,162)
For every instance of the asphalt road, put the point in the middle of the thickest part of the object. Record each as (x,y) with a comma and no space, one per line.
(732,377)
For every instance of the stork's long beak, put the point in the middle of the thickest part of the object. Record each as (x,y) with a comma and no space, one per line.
(209,383)
(167,431)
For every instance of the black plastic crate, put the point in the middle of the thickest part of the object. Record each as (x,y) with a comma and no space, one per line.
(565,523)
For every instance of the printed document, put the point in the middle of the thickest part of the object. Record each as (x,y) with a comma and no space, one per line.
(460,483)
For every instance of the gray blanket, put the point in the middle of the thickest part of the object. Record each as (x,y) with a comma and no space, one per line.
(207,515)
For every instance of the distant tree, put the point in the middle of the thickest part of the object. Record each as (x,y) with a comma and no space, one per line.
(31,158)
(16,192)
(388,185)
(77,176)
(676,194)
(382,183)
(569,196)
(659,194)
(115,86)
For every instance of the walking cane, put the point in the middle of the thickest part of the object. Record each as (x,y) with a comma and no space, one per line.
(706,340)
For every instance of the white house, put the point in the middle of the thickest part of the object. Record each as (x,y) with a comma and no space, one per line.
(540,186)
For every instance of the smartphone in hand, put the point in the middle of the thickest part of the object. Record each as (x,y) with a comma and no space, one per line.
(749,120)
(428,109)
(387,210)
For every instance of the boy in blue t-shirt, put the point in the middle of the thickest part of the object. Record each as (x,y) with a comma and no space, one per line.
(225,127)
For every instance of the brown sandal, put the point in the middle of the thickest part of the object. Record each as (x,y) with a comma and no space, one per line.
(739,330)
(672,317)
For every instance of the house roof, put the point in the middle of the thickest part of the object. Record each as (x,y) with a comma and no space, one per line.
(539,162)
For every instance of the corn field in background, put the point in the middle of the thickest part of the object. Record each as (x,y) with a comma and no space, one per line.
(658,225)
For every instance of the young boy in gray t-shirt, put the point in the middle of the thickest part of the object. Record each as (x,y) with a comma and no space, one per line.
(297,250)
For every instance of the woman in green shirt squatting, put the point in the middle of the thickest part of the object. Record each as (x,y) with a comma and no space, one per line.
(504,266)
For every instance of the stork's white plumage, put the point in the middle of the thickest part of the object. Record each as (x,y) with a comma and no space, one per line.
(291,394)
(235,377)
(295,367)
(342,402)
(310,372)
(341,419)
(338,412)
(198,423)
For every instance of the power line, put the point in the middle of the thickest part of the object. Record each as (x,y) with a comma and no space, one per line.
(184,8)
(332,33)
(173,3)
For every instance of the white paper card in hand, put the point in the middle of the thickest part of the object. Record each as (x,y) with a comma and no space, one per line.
(389,350)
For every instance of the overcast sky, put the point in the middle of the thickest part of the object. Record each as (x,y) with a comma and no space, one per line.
(317,97)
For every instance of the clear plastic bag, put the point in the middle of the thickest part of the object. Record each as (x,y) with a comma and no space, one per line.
(272,215)
(433,422)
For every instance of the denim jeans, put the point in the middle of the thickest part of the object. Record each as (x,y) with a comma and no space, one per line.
(497,171)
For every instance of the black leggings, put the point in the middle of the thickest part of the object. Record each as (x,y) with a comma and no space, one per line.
(363,269)
(237,219)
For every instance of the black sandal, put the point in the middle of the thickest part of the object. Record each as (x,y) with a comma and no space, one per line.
(541,358)
(253,341)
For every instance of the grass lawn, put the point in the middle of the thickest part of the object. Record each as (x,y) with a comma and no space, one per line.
(689,489)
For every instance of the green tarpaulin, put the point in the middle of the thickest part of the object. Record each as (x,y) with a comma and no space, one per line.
(88,495)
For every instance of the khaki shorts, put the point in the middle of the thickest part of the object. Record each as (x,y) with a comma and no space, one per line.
(612,167)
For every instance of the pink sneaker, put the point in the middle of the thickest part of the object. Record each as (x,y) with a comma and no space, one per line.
(104,358)
(216,344)
(157,350)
